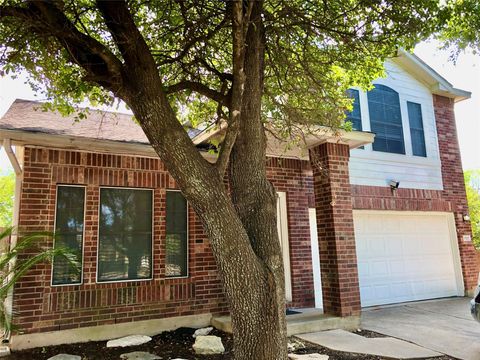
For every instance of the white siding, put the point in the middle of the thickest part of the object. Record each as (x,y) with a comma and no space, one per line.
(368,167)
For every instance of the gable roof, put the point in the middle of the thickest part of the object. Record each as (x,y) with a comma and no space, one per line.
(436,83)
(25,115)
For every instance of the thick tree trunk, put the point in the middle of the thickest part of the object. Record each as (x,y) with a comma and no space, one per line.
(242,232)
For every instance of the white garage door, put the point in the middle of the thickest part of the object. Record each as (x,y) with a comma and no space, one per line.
(405,257)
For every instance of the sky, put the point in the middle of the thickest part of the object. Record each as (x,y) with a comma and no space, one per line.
(463,74)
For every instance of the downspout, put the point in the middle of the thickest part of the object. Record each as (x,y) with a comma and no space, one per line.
(15,220)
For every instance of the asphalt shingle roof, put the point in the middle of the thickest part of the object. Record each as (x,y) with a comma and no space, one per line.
(25,115)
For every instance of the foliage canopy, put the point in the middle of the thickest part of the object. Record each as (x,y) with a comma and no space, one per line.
(472,186)
(315,50)
(7,189)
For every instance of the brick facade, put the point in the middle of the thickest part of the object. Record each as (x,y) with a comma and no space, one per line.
(336,238)
(39,307)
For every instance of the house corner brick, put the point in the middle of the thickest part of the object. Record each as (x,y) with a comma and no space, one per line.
(454,186)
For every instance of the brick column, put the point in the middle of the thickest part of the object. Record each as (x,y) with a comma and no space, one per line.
(336,239)
(454,186)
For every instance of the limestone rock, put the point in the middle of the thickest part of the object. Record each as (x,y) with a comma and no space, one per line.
(4,350)
(65,357)
(208,345)
(294,344)
(139,355)
(202,332)
(314,356)
(131,340)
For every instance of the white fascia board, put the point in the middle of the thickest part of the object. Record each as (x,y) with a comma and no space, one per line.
(435,82)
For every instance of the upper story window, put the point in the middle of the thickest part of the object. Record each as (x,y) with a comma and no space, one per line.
(176,235)
(355,116)
(386,120)
(125,234)
(69,226)
(416,129)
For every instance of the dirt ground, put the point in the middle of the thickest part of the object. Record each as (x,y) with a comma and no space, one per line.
(177,344)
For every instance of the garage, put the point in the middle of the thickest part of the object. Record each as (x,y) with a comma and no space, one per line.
(406,256)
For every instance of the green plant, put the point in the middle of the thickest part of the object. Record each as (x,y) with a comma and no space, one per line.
(17,260)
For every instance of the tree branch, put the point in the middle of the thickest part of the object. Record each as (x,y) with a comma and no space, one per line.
(239,23)
(45,19)
(199,88)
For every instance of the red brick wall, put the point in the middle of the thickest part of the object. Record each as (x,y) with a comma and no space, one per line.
(295,178)
(40,307)
(336,238)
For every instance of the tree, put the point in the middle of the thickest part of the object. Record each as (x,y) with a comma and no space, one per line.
(472,186)
(248,64)
(7,189)
(461,26)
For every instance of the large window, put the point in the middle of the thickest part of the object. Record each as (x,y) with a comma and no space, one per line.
(176,235)
(416,129)
(386,120)
(125,234)
(69,225)
(355,116)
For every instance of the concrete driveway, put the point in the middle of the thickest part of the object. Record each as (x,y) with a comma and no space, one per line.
(443,325)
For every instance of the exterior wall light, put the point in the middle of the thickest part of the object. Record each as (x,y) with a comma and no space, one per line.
(394,185)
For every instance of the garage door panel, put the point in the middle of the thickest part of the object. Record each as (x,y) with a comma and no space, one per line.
(403,257)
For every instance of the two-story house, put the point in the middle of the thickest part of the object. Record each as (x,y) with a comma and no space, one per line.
(387,222)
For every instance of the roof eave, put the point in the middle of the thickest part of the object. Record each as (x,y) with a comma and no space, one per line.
(435,82)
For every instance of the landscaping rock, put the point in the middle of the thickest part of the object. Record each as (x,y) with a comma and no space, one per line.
(208,345)
(65,357)
(202,332)
(293,345)
(4,351)
(314,356)
(139,355)
(131,340)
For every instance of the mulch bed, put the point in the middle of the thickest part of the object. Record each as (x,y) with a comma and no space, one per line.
(177,344)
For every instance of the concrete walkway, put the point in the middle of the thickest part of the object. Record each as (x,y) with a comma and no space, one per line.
(388,347)
(441,325)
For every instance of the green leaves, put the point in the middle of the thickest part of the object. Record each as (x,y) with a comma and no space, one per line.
(15,262)
(7,189)
(315,50)
(472,187)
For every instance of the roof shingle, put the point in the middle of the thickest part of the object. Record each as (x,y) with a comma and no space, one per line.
(28,116)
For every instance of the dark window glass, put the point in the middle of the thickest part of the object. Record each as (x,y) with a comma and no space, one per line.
(416,129)
(125,234)
(386,120)
(355,116)
(176,235)
(69,222)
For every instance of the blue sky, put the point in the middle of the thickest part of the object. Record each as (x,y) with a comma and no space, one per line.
(464,74)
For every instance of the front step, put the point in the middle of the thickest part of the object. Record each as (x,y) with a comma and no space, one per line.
(311,320)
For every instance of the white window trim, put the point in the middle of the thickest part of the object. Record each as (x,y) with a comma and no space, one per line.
(431,151)
(98,235)
(188,239)
(83,233)
(282,227)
